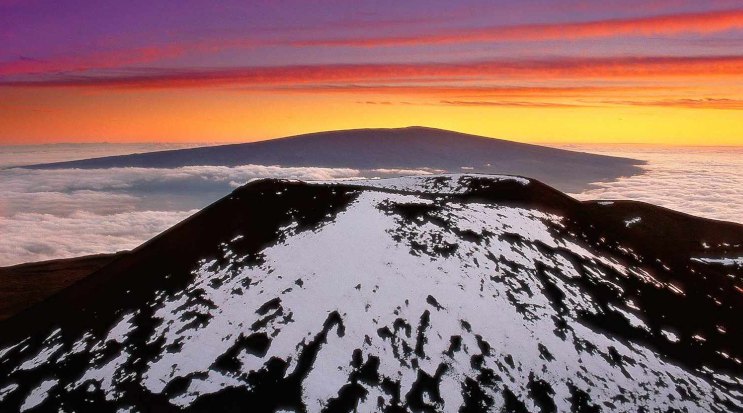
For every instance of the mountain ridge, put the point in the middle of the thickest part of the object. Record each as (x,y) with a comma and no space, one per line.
(456,271)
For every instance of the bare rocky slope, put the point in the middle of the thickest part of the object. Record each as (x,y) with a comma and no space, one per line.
(444,293)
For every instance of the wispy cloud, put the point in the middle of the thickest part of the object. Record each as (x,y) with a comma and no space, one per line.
(470,91)
(671,24)
(512,104)
(373,102)
(659,25)
(704,103)
(96,60)
(641,67)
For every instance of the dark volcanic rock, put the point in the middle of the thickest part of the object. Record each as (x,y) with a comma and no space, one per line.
(23,285)
(444,293)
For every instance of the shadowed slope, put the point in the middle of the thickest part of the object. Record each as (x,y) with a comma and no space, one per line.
(22,286)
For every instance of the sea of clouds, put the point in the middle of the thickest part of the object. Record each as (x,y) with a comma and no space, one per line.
(702,181)
(49,214)
(46,214)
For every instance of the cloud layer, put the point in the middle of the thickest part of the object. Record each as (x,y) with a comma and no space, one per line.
(48,214)
(669,24)
(632,67)
(27,237)
(705,182)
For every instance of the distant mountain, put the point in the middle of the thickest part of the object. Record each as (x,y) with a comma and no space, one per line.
(406,148)
(444,293)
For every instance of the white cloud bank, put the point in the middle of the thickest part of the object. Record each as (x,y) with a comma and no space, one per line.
(49,214)
(706,182)
(114,190)
(27,237)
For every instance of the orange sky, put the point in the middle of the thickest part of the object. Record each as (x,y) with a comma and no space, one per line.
(576,71)
(198,116)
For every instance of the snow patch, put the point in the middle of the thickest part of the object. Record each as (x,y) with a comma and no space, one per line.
(728,262)
(633,221)
(38,395)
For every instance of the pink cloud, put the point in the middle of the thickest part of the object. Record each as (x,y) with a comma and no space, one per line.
(109,59)
(492,70)
(700,23)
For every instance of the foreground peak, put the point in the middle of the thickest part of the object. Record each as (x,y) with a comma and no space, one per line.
(437,293)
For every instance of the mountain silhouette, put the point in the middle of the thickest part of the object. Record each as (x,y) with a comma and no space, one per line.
(390,149)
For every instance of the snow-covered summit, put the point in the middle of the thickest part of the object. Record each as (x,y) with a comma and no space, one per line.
(443,293)
(443,184)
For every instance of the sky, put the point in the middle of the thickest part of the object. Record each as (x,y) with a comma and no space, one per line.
(567,71)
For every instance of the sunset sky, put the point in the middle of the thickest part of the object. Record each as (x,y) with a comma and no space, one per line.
(652,71)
